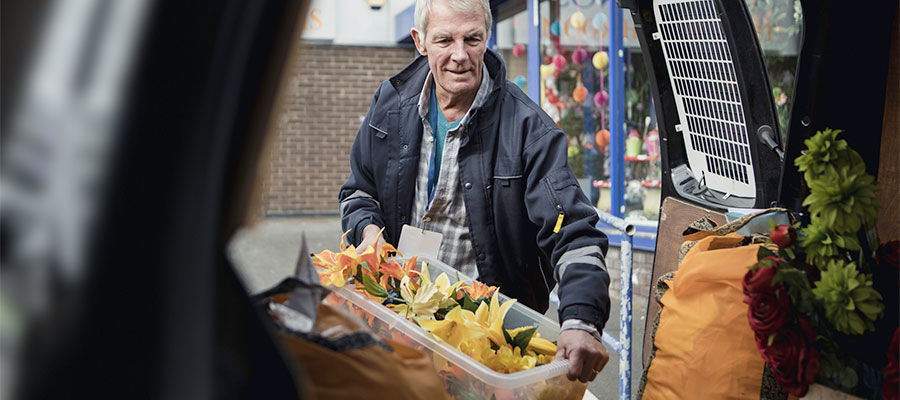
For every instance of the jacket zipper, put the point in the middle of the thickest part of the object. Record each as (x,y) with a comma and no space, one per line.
(559,209)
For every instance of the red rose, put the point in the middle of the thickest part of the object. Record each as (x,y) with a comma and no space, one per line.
(769,311)
(888,253)
(758,280)
(891,383)
(784,235)
(792,358)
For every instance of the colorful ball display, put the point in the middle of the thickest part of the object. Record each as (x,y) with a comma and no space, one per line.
(600,60)
(601,99)
(599,20)
(580,93)
(559,62)
(520,81)
(577,19)
(518,50)
(579,55)
(554,28)
(602,139)
(547,70)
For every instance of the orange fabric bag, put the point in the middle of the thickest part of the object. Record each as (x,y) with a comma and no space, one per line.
(369,372)
(704,347)
(340,358)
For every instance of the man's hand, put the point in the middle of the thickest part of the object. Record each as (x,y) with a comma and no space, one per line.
(586,355)
(370,235)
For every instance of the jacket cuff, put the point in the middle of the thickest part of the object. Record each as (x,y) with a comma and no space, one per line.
(356,235)
(583,312)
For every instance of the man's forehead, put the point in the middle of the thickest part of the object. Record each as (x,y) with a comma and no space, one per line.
(440,31)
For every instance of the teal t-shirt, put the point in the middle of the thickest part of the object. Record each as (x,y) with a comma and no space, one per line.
(439,128)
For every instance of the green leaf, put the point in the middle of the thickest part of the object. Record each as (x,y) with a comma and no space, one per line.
(523,338)
(373,287)
(506,336)
(764,252)
(440,313)
(467,303)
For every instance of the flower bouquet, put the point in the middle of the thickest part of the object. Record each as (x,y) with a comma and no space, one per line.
(817,294)
(469,316)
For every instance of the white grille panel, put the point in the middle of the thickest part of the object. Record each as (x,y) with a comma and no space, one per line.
(706,95)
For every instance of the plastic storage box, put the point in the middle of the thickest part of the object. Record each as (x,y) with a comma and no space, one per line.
(463,377)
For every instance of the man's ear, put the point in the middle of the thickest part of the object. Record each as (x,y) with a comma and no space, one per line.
(419,41)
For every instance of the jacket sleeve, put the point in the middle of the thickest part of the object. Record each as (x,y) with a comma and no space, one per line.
(568,233)
(358,196)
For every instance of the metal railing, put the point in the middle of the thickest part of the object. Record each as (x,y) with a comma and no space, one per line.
(622,345)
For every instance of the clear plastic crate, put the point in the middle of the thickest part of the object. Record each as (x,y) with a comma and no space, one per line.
(463,377)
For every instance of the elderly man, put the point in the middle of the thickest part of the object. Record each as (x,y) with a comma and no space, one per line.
(450,146)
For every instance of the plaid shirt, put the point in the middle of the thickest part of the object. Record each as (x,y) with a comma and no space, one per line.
(447,213)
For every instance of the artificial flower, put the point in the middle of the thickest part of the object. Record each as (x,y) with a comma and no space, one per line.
(851,304)
(422,303)
(784,236)
(457,327)
(494,318)
(793,359)
(760,279)
(769,311)
(442,284)
(476,290)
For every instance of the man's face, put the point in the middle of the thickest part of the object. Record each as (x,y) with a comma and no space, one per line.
(454,44)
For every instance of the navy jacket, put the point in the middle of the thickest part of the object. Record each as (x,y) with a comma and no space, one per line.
(516,181)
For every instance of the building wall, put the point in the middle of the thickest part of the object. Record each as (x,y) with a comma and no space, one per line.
(330,92)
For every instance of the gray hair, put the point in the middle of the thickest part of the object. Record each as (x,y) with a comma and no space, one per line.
(423,8)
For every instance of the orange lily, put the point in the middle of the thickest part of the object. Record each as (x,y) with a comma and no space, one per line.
(477,290)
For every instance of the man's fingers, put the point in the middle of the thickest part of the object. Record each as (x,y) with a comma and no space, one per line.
(604,358)
(560,353)
(576,365)
(589,370)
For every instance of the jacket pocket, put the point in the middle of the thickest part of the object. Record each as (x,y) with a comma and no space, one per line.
(384,124)
(562,191)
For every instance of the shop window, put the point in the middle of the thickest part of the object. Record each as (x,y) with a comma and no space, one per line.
(575,92)
(778,26)
(512,45)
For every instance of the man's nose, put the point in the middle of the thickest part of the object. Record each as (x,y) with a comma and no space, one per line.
(458,52)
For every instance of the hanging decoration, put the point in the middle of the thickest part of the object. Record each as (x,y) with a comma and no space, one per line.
(600,60)
(520,81)
(559,62)
(547,70)
(579,55)
(602,140)
(580,93)
(599,20)
(554,28)
(577,19)
(601,99)
(518,50)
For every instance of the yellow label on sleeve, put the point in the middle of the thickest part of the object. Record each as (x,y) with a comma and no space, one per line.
(559,221)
